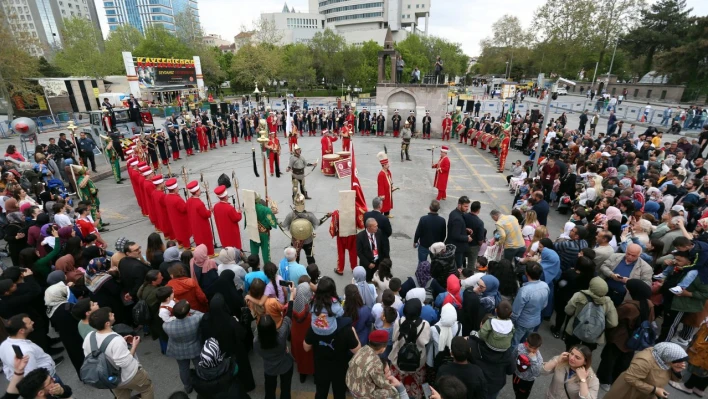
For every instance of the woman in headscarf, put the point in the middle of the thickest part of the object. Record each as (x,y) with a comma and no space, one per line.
(565,235)
(225,286)
(488,290)
(428,313)
(613,213)
(616,356)
(414,329)
(203,269)
(34,234)
(452,295)
(301,323)
(228,259)
(69,263)
(231,336)
(422,278)
(41,267)
(441,335)
(366,290)
(118,254)
(170,257)
(638,195)
(622,171)
(216,375)
(649,372)
(56,298)
(15,230)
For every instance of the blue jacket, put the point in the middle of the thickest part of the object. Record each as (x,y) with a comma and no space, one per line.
(531,299)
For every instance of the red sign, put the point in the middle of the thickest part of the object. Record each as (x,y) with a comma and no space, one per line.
(343,168)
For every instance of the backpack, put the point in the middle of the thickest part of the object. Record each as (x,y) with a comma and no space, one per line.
(642,337)
(444,356)
(141,313)
(408,353)
(96,370)
(589,325)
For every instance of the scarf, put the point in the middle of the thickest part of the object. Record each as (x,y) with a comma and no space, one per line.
(492,290)
(613,213)
(453,291)
(96,274)
(229,255)
(211,355)
(55,296)
(567,228)
(448,319)
(640,292)
(365,291)
(201,260)
(416,293)
(16,217)
(171,254)
(422,273)
(666,353)
(611,172)
(303,297)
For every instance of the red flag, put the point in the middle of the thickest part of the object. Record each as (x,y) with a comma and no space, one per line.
(360,200)
(146,117)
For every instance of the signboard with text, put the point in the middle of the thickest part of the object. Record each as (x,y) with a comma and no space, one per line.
(165,71)
(343,167)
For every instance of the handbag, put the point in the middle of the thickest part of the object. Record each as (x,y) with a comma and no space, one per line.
(494,251)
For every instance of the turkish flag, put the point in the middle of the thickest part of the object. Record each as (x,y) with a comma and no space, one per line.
(146,117)
(360,200)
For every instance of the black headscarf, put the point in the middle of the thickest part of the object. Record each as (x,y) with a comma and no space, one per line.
(411,311)
(641,292)
(225,286)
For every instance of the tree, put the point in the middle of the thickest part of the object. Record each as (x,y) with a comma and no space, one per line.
(260,63)
(265,31)
(566,22)
(187,29)
(327,50)
(508,32)
(298,66)
(688,63)
(123,38)
(16,65)
(613,18)
(454,60)
(81,51)
(661,28)
(48,70)
(415,54)
(159,42)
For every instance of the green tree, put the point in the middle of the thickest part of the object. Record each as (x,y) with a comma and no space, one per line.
(298,66)
(613,18)
(81,51)
(48,70)
(16,65)
(327,48)
(187,28)
(415,53)
(661,28)
(362,64)
(123,38)
(260,63)
(454,60)
(687,63)
(159,42)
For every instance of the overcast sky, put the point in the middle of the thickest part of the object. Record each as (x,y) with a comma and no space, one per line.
(465,22)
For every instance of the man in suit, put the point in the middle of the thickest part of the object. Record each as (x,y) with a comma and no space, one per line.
(383,222)
(457,233)
(371,247)
(431,229)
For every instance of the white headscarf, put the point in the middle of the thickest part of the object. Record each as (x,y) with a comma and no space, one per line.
(566,230)
(55,296)
(417,293)
(448,319)
(471,281)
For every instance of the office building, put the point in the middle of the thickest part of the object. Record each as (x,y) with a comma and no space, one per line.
(295,27)
(43,20)
(213,40)
(144,13)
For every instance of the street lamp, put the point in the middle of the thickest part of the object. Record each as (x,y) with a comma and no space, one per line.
(506,71)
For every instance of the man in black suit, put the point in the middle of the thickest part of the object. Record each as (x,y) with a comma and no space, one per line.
(457,233)
(431,229)
(383,222)
(371,247)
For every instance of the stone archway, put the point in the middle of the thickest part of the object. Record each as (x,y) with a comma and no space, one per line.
(401,100)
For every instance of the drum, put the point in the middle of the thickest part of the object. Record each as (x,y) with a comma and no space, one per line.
(328,164)
(486,137)
(344,154)
(478,135)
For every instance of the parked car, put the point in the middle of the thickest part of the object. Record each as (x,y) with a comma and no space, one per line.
(562,91)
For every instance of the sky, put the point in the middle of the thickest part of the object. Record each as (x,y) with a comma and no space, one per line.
(465,22)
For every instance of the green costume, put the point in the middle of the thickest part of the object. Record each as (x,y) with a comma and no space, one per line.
(266,222)
(456,120)
(113,158)
(89,193)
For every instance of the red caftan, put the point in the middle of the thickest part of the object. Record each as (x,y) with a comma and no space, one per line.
(301,324)
(202,138)
(441,175)
(132,174)
(177,216)
(272,122)
(158,207)
(385,184)
(446,128)
(227,218)
(199,216)
(148,188)
(504,146)
(327,147)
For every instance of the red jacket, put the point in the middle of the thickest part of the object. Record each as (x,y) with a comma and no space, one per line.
(188,289)
(227,218)
(177,215)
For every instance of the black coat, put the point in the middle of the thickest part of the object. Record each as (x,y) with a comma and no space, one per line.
(457,231)
(363,248)
(431,229)
(132,275)
(382,220)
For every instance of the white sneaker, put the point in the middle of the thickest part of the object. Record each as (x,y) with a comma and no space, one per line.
(680,386)
(659,276)
(605,387)
(676,290)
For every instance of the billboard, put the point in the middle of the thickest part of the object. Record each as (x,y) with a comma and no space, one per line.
(165,71)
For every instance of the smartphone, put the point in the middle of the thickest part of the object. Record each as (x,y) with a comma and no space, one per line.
(427,391)
(129,339)
(285,283)
(18,351)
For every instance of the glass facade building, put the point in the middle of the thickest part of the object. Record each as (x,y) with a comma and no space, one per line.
(144,13)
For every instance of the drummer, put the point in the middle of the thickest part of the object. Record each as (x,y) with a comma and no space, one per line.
(297,165)
(327,147)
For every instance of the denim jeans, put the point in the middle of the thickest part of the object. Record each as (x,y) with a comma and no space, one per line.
(423,253)
(520,334)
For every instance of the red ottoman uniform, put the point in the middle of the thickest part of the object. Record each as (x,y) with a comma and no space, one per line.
(343,244)
(442,173)
(198,216)
(327,147)
(177,214)
(158,207)
(385,184)
(446,127)
(227,218)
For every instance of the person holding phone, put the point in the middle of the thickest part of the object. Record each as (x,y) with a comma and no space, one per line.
(649,372)
(18,327)
(573,378)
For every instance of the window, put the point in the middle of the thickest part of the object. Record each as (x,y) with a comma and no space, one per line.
(636,93)
(408,16)
(113,27)
(79,13)
(85,8)
(648,93)
(663,95)
(72,13)
(422,6)
(403,16)
(71,5)
(108,4)
(26,9)
(63,12)
(409,6)
(110,12)
(614,90)
(417,5)
(61,3)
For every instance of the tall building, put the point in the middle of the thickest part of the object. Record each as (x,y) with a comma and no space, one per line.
(214,40)
(143,13)
(360,21)
(295,27)
(43,20)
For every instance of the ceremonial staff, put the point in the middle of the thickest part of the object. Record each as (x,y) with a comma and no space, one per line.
(205,185)
(72,128)
(185,178)
(432,153)
(235,184)
(262,140)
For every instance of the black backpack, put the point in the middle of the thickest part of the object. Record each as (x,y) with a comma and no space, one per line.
(408,353)
(224,180)
(141,313)
(96,369)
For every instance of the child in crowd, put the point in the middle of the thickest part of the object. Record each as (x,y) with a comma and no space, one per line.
(395,286)
(697,253)
(528,365)
(498,331)
(167,301)
(254,263)
(388,317)
(388,298)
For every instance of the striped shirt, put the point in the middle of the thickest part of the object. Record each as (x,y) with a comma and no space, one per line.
(510,232)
